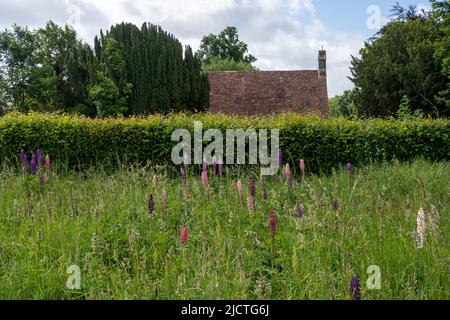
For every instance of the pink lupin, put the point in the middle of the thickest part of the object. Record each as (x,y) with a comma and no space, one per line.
(184,235)
(186,161)
(220,166)
(47,163)
(302,169)
(215,167)
(288,175)
(186,190)
(205,179)
(251,204)
(220,170)
(239,188)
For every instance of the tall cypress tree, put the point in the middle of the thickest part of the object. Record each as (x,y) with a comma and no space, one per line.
(163,80)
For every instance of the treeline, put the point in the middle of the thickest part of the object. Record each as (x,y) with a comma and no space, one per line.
(129,71)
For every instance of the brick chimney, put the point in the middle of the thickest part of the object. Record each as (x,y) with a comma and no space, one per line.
(322,63)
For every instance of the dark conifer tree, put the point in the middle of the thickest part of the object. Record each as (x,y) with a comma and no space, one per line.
(163,79)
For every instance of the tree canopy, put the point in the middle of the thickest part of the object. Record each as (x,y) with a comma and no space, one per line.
(217,64)
(24,80)
(151,66)
(441,17)
(225,51)
(343,105)
(142,70)
(402,61)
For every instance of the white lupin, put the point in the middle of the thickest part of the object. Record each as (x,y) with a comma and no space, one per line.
(421,228)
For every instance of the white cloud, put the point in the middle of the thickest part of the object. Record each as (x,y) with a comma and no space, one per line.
(424,7)
(307,5)
(282,34)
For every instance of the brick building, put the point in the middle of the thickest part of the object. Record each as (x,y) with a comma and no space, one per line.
(267,92)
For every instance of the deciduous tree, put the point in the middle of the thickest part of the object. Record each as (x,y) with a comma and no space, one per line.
(224,46)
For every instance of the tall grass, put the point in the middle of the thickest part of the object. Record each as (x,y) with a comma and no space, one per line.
(100,222)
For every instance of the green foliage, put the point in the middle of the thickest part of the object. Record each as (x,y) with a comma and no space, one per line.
(441,17)
(149,65)
(324,143)
(224,46)
(401,61)
(3,104)
(343,105)
(110,92)
(24,81)
(404,111)
(113,60)
(72,64)
(44,70)
(50,69)
(106,97)
(217,64)
(99,221)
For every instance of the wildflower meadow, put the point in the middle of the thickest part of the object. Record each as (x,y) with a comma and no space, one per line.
(224,232)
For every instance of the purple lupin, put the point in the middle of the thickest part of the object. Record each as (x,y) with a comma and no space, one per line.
(25,162)
(299,211)
(355,289)
(151,205)
(263,187)
(40,159)
(335,205)
(33,164)
(280,157)
(349,167)
(252,187)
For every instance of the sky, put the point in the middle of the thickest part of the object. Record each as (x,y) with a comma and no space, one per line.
(282,34)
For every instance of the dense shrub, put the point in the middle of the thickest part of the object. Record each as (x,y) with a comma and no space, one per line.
(323,143)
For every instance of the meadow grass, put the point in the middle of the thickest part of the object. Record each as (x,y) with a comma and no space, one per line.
(100,221)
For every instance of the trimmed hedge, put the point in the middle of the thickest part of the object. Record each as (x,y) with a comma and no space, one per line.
(323,143)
